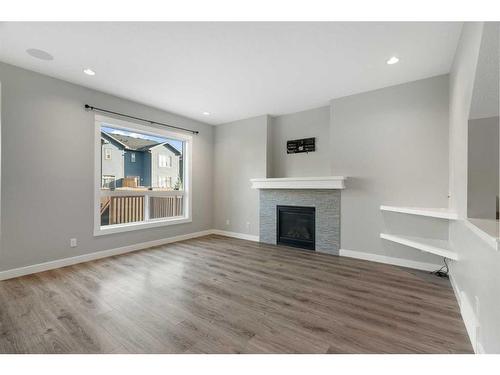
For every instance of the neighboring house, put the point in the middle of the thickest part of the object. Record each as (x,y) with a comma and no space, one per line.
(165,166)
(112,162)
(141,161)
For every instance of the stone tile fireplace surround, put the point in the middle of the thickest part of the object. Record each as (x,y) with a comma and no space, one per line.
(302,192)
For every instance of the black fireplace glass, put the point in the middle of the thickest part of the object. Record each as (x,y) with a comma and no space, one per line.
(296,226)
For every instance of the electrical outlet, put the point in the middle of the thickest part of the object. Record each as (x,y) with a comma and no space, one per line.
(228,222)
(248,226)
(73,242)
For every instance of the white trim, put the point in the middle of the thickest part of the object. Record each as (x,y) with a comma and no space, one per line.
(139,193)
(389,260)
(243,236)
(16,272)
(187,191)
(152,223)
(492,241)
(468,316)
(440,213)
(428,245)
(21,271)
(328,182)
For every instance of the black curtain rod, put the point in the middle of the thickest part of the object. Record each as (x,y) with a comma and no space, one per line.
(89,107)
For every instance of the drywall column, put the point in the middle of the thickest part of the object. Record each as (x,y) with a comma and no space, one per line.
(476,275)
(240,153)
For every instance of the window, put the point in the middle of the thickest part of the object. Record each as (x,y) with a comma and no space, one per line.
(107,154)
(162,182)
(108,182)
(165,182)
(155,199)
(164,161)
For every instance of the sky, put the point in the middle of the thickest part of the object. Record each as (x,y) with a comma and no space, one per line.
(172,142)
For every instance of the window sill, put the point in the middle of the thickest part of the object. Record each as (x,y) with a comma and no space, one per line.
(120,228)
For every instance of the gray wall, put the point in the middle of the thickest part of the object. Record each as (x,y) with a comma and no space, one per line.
(482,176)
(240,153)
(476,274)
(48,170)
(393,146)
(306,124)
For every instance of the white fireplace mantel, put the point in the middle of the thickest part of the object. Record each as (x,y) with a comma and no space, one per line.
(328,182)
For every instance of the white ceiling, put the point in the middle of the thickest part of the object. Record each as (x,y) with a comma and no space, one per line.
(233,70)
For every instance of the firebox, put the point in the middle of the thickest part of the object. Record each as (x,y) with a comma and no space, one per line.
(295,226)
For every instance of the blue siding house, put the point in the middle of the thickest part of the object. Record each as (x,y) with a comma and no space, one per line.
(125,157)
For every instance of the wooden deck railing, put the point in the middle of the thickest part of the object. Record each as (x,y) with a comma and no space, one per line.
(126,209)
(129,209)
(165,207)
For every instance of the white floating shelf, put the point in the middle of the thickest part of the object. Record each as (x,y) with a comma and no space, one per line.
(441,213)
(437,247)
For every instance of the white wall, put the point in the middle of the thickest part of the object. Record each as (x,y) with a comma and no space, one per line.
(240,153)
(306,124)
(48,170)
(477,273)
(392,144)
(482,168)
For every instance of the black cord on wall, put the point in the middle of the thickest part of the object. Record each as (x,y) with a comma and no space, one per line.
(443,271)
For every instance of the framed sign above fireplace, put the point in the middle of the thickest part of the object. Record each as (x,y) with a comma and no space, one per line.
(301,145)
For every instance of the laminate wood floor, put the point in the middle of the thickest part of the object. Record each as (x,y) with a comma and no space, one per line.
(220,295)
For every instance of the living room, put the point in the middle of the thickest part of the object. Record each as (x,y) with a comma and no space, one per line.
(249,187)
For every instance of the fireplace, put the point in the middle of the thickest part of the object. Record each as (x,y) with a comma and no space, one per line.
(295,226)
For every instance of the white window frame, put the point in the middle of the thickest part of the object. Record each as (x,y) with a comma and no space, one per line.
(132,157)
(160,182)
(108,175)
(162,160)
(108,152)
(98,193)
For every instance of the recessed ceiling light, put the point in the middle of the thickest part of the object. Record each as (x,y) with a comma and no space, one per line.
(89,72)
(206,113)
(39,54)
(393,60)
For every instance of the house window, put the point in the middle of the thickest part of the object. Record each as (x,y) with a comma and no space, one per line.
(107,154)
(108,182)
(123,206)
(165,182)
(164,161)
(162,182)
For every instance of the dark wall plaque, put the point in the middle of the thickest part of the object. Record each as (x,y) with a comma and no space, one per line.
(300,145)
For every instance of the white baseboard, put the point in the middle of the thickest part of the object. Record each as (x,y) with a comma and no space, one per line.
(243,236)
(468,316)
(16,272)
(40,267)
(389,260)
